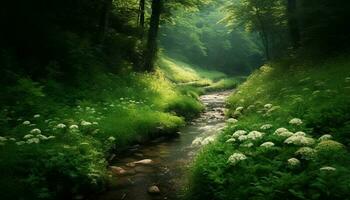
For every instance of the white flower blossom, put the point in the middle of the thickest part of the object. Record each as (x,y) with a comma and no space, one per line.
(3,139)
(267,144)
(42,137)
(239,133)
(280,130)
(26,123)
(254,135)
(85,123)
(266,126)
(61,126)
(325,137)
(328,168)
(300,133)
(268,106)
(33,140)
(236,158)
(232,120)
(73,126)
(20,143)
(239,109)
(296,121)
(231,140)
(35,131)
(306,153)
(242,137)
(293,162)
(299,140)
(51,137)
(36,116)
(112,139)
(247,145)
(28,136)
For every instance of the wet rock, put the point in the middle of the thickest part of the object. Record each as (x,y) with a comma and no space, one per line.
(154,190)
(144,162)
(118,170)
(130,164)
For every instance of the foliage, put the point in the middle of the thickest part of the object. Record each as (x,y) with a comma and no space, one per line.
(300,111)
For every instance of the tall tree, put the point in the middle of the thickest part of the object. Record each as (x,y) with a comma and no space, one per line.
(104,21)
(142,14)
(151,51)
(293,23)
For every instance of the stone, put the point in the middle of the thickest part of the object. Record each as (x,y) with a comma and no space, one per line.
(118,170)
(153,190)
(144,162)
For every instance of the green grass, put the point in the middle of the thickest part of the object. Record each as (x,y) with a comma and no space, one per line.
(189,75)
(318,94)
(110,112)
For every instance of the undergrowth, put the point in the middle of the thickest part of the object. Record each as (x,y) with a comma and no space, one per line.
(291,139)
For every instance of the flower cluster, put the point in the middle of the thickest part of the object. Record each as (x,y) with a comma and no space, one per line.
(254,135)
(267,144)
(283,132)
(236,158)
(239,133)
(325,137)
(266,126)
(306,153)
(232,120)
(293,162)
(296,121)
(300,140)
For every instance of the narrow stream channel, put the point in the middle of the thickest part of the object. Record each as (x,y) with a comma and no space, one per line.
(163,162)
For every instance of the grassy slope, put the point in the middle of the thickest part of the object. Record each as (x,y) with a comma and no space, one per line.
(318,94)
(110,114)
(186,75)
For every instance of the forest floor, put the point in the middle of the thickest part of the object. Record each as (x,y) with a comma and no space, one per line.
(158,169)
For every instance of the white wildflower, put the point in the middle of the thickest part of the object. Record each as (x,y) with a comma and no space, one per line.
(293,162)
(280,130)
(208,140)
(254,135)
(247,145)
(12,139)
(73,126)
(266,126)
(36,116)
(325,137)
(242,137)
(232,120)
(42,137)
(231,140)
(95,123)
(61,126)
(51,137)
(299,140)
(111,139)
(268,106)
(296,121)
(26,123)
(306,153)
(239,109)
(28,136)
(20,143)
(236,158)
(197,141)
(35,131)
(300,133)
(239,133)
(33,140)
(3,139)
(85,123)
(267,144)
(328,168)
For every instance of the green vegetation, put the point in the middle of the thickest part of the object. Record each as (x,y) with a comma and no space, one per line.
(47,141)
(291,140)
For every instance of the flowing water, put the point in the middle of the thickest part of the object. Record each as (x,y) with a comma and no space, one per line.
(163,162)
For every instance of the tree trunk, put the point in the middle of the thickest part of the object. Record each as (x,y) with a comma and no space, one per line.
(264,36)
(142,14)
(104,21)
(293,23)
(151,51)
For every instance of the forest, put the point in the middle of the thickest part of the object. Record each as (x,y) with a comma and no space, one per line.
(174,99)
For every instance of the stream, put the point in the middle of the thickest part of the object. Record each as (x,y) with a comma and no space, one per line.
(158,170)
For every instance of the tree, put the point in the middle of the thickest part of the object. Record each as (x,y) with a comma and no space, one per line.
(293,23)
(142,13)
(107,5)
(151,51)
